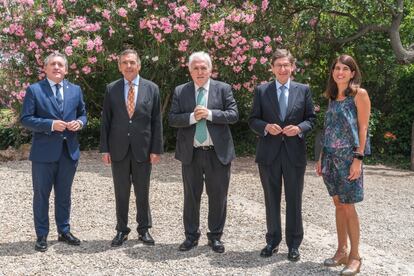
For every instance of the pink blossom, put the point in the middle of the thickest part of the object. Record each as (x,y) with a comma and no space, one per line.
(267,39)
(111,31)
(263,60)
(92,27)
(257,44)
(158,37)
(166,25)
(90,45)
(182,47)
(69,51)
(203,4)
(122,12)
(218,27)
(253,60)
(75,42)
(172,6)
(265,4)
(193,21)
(179,27)
(86,69)
(73,66)
(106,14)
(66,37)
(51,21)
(92,59)
(38,34)
(237,69)
(278,39)
(132,5)
(237,86)
(98,44)
(313,22)
(181,12)
(249,18)
(268,49)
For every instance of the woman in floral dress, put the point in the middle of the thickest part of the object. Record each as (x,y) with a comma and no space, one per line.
(344,143)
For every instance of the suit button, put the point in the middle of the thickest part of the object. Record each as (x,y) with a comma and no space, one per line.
(130,121)
(128,134)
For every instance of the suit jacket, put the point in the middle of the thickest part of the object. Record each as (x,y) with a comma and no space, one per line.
(300,112)
(38,112)
(224,110)
(142,132)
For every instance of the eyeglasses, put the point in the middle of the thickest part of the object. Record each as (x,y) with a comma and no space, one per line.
(284,65)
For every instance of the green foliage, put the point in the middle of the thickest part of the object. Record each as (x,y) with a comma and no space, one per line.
(89,135)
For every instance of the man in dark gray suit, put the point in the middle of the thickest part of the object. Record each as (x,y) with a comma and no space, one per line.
(281,116)
(131,141)
(202,111)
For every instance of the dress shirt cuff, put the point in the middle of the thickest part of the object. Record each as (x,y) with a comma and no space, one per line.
(80,124)
(300,134)
(210,115)
(192,119)
(51,128)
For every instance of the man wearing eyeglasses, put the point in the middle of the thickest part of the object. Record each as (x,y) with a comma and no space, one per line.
(202,110)
(282,114)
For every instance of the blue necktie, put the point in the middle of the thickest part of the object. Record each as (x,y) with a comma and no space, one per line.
(201,126)
(282,102)
(58,97)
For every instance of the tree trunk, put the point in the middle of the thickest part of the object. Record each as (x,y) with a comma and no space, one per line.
(412,148)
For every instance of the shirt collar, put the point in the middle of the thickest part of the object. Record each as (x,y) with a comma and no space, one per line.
(52,83)
(205,86)
(278,84)
(134,81)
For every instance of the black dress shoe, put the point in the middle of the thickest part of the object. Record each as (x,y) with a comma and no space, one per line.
(69,238)
(216,245)
(119,239)
(293,255)
(41,244)
(269,250)
(146,238)
(188,245)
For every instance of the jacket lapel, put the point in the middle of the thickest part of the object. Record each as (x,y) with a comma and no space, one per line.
(293,92)
(49,94)
(141,95)
(271,93)
(120,96)
(211,93)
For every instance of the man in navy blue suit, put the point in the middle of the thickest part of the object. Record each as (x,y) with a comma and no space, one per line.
(54,110)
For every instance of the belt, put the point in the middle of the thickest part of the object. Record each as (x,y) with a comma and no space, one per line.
(204,148)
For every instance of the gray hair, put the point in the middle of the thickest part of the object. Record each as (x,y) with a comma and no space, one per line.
(203,56)
(282,53)
(56,54)
(127,52)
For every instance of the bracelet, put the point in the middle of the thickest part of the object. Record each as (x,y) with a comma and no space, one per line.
(358,155)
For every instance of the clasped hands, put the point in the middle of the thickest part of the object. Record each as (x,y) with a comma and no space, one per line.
(275,129)
(200,112)
(59,125)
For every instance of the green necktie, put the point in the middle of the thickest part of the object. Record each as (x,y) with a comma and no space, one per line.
(201,126)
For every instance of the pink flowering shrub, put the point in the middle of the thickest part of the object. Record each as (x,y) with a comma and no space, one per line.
(164,33)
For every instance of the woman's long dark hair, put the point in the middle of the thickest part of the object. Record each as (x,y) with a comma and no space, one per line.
(331,91)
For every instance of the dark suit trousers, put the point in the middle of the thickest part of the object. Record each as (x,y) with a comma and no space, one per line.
(205,167)
(293,178)
(124,173)
(58,175)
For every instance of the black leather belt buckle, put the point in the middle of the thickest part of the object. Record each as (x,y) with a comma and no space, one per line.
(205,147)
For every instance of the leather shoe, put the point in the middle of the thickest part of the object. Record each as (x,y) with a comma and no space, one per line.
(146,238)
(216,245)
(119,239)
(187,245)
(69,238)
(293,255)
(268,250)
(41,244)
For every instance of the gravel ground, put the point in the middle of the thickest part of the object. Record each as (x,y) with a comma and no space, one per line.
(386,214)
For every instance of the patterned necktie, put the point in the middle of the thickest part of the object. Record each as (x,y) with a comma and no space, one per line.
(58,97)
(131,100)
(282,102)
(201,126)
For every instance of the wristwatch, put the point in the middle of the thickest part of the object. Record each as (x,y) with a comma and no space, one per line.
(358,155)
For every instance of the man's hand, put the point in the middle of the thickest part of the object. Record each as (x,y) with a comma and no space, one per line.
(59,125)
(273,129)
(154,158)
(200,112)
(291,130)
(106,158)
(73,125)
